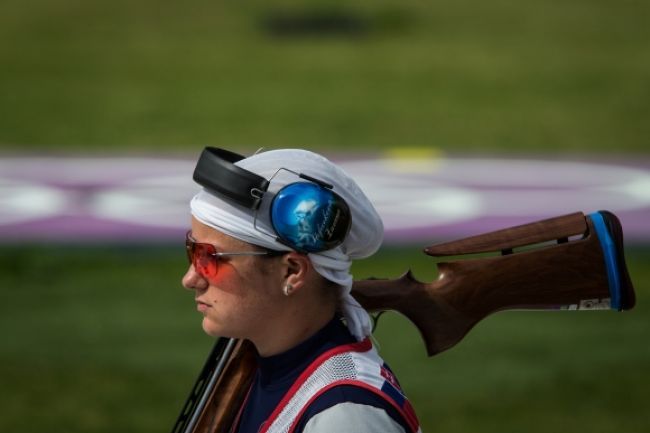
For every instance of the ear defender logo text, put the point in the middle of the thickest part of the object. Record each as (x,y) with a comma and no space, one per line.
(325,226)
(315,223)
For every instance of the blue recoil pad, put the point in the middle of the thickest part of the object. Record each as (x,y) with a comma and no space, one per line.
(611,263)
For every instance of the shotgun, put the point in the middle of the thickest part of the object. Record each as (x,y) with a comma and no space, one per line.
(571,262)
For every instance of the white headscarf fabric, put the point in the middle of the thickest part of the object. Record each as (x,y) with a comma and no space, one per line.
(363,240)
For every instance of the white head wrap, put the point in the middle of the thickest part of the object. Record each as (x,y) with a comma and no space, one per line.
(363,240)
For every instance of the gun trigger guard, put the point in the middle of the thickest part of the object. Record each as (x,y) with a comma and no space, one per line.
(375,319)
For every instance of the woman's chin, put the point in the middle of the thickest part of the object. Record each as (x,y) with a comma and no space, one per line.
(221,329)
(211,328)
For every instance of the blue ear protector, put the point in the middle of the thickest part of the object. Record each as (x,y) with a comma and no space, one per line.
(307,215)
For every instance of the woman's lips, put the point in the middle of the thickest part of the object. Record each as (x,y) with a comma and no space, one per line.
(202,306)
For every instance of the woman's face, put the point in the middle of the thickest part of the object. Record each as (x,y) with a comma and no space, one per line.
(244,295)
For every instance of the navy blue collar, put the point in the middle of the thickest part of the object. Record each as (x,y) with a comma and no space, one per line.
(276,370)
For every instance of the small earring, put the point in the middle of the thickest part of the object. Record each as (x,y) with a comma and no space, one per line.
(287,289)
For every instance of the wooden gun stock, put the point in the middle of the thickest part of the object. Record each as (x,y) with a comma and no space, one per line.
(552,271)
(570,274)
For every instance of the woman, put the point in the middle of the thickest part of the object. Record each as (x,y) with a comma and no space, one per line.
(270,249)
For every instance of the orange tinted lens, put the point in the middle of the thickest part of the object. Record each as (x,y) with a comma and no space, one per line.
(205,261)
(202,256)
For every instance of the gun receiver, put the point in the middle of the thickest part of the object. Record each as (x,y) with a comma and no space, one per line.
(588,273)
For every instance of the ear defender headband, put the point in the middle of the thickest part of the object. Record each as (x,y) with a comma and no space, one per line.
(307,215)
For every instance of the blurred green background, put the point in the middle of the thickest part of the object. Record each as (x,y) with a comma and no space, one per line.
(463,75)
(103,338)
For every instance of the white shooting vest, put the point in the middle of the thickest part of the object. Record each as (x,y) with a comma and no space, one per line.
(356,364)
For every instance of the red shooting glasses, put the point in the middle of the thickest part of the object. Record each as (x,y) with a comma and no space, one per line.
(206,258)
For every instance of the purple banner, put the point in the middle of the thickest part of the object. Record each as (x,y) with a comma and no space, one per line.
(422,200)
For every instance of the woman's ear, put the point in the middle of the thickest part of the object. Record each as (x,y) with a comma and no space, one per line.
(298,269)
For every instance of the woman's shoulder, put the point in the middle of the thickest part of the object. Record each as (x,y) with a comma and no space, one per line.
(352,418)
(355,408)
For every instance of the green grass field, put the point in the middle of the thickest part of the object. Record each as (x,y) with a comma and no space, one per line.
(552,76)
(105,339)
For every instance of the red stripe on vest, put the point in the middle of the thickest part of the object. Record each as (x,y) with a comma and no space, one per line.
(409,418)
(406,411)
(361,346)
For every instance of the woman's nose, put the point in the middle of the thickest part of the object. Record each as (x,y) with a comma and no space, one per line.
(192,280)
